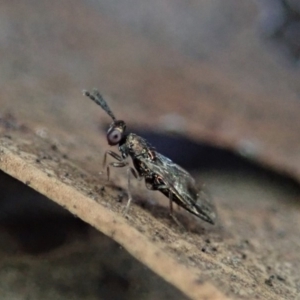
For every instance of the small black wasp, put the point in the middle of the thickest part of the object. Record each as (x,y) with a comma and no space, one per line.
(159,172)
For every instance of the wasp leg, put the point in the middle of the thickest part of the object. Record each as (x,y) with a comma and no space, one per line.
(135,174)
(152,185)
(171,212)
(119,164)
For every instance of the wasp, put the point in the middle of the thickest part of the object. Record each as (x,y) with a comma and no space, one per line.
(159,172)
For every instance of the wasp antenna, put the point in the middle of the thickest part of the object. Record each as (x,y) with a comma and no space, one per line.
(98,99)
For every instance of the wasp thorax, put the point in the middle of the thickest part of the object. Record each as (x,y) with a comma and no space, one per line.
(115,132)
(136,144)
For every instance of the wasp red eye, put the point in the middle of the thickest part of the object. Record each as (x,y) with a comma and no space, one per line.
(114,137)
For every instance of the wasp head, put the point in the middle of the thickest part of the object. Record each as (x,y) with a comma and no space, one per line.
(115,132)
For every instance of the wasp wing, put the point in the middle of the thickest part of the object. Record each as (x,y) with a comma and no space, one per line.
(182,186)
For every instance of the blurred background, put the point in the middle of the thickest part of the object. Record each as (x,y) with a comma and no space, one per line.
(214,85)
